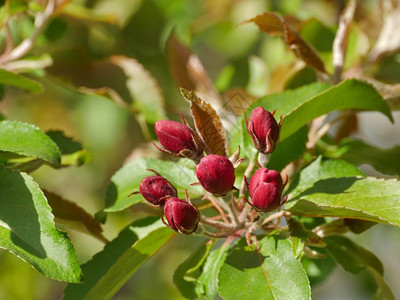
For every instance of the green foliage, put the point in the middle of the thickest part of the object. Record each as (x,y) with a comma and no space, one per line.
(16,80)
(263,272)
(28,140)
(27,228)
(324,189)
(109,269)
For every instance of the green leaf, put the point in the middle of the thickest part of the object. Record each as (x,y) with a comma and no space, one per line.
(16,80)
(318,269)
(207,283)
(332,188)
(352,257)
(129,263)
(186,274)
(321,169)
(143,88)
(350,94)
(72,151)
(109,269)
(26,139)
(181,174)
(283,103)
(271,273)
(383,290)
(357,152)
(289,150)
(27,228)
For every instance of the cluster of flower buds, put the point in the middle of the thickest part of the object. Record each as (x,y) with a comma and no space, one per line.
(215,173)
(181,215)
(266,186)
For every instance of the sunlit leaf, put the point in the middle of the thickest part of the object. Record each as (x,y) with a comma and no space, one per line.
(262,273)
(109,269)
(27,228)
(128,263)
(207,283)
(143,88)
(19,81)
(350,94)
(71,215)
(26,139)
(208,124)
(335,188)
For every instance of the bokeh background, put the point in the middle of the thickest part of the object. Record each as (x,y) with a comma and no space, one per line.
(80,41)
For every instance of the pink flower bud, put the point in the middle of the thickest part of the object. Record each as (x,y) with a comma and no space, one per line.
(181,215)
(155,188)
(177,139)
(263,129)
(265,189)
(216,174)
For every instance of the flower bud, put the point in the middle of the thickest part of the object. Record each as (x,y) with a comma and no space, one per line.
(156,188)
(265,189)
(182,216)
(177,138)
(263,129)
(216,174)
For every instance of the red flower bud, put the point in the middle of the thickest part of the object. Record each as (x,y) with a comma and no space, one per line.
(182,216)
(155,188)
(216,174)
(263,129)
(265,189)
(177,138)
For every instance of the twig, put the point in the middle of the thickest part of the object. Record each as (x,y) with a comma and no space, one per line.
(26,45)
(275,216)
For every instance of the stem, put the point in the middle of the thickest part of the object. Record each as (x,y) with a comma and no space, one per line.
(216,224)
(275,216)
(26,45)
(218,208)
(263,159)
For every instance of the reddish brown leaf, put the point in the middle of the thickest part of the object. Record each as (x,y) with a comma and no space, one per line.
(178,56)
(208,124)
(274,24)
(302,49)
(268,22)
(74,216)
(189,72)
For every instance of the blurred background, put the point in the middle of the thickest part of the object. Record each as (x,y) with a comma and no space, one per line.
(84,46)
